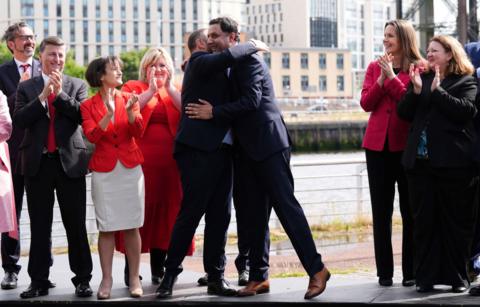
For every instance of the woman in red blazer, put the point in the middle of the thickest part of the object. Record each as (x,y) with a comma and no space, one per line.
(112,121)
(385,83)
(160,108)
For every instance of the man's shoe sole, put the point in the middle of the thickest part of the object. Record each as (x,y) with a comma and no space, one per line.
(8,287)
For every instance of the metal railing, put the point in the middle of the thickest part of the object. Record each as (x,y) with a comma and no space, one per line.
(328,190)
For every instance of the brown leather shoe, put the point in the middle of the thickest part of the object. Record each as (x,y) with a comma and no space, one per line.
(255,287)
(317,284)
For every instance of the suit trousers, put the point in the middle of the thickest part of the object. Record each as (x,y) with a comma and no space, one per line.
(207,190)
(71,195)
(384,170)
(271,184)
(243,203)
(11,247)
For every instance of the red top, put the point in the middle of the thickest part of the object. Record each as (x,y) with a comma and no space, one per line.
(382,103)
(117,142)
(173,115)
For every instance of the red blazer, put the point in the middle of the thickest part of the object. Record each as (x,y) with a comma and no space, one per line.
(118,141)
(382,103)
(173,115)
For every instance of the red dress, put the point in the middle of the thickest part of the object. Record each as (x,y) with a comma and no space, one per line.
(163,190)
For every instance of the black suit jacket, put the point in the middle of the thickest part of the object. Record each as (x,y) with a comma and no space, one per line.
(31,115)
(9,78)
(205,78)
(447,115)
(254,115)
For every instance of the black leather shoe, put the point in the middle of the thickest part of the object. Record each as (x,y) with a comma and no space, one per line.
(203,281)
(408,282)
(475,291)
(423,289)
(243,278)
(221,288)
(9,281)
(83,289)
(459,289)
(385,282)
(34,291)
(157,278)
(165,289)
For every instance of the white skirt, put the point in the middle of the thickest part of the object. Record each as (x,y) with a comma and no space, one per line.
(119,198)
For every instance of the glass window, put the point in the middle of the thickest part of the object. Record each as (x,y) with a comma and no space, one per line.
(46,30)
(339,61)
(59,8)
(340,83)
(110,31)
(59,28)
(85,8)
(267,58)
(123,27)
(322,61)
(72,30)
(322,83)
(304,83)
(72,8)
(304,60)
(286,82)
(286,60)
(110,8)
(85,31)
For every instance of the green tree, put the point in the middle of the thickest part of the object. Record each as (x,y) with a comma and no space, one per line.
(5,54)
(71,67)
(131,62)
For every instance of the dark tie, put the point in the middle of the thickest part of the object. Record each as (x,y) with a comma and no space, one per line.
(51,142)
(25,67)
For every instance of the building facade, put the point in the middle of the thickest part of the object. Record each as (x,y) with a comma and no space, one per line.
(101,27)
(311,73)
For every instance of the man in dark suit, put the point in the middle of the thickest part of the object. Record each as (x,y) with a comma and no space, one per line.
(53,158)
(265,144)
(20,41)
(203,153)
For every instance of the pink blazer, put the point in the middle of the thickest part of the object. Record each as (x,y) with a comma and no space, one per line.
(8,219)
(382,103)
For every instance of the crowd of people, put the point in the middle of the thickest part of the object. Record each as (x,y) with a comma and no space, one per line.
(165,156)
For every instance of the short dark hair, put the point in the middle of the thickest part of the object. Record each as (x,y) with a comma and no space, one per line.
(51,40)
(12,30)
(192,39)
(227,24)
(97,68)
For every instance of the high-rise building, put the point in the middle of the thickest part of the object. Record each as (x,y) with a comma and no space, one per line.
(101,27)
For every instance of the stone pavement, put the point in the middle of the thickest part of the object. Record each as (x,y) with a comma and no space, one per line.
(353,283)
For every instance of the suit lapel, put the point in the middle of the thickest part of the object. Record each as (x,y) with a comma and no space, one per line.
(13,71)
(36,68)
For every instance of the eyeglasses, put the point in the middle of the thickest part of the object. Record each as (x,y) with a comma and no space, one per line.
(26,37)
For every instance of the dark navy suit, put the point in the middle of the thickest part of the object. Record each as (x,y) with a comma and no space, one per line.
(262,135)
(205,164)
(9,79)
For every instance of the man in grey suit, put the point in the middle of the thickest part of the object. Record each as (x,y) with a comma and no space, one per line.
(20,41)
(53,158)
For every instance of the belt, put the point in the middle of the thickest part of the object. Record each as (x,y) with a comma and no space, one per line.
(52,155)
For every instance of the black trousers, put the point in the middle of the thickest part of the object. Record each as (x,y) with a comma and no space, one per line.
(71,195)
(384,170)
(271,184)
(10,247)
(444,205)
(207,190)
(241,200)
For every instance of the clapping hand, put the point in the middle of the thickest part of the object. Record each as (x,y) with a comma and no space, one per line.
(385,62)
(110,97)
(131,102)
(436,81)
(415,78)
(153,87)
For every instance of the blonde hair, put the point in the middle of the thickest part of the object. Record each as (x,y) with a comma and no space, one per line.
(408,42)
(153,55)
(459,64)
